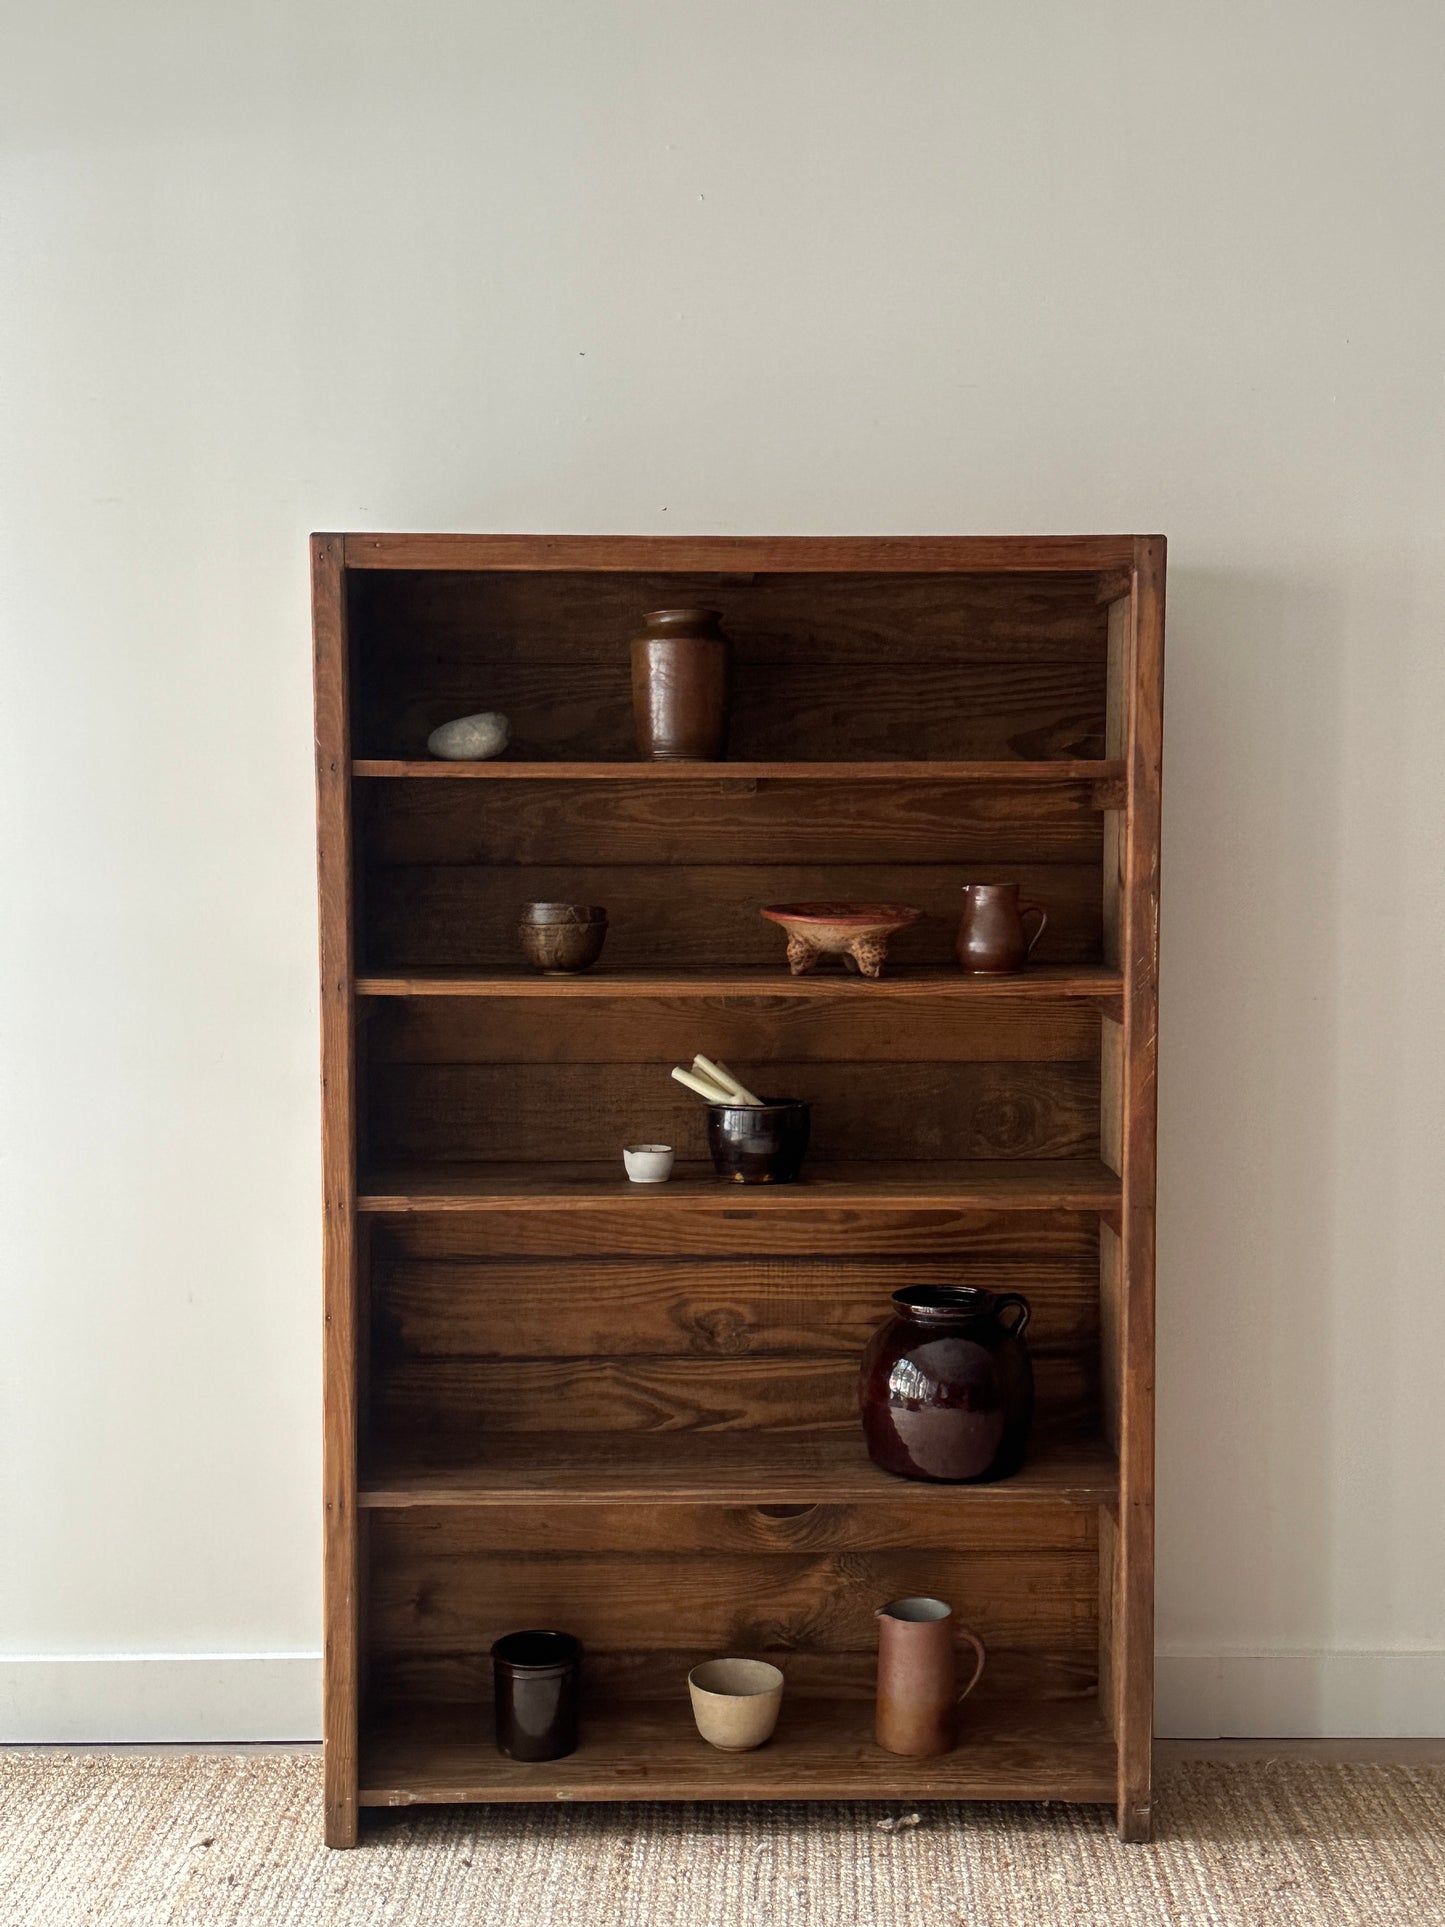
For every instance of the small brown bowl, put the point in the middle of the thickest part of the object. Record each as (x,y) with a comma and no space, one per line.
(565,939)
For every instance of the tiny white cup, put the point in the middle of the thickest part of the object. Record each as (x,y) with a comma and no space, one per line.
(648,1163)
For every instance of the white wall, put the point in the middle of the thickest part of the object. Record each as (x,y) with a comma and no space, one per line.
(774,265)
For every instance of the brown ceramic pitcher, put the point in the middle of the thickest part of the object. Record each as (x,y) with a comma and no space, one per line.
(918,1696)
(991,939)
(680,686)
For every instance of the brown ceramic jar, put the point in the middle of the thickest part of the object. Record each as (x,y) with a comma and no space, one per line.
(947,1388)
(680,686)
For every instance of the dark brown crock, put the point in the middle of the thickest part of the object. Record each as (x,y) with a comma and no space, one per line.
(536,1677)
(759,1143)
(947,1388)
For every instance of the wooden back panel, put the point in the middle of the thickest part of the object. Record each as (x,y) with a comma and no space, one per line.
(684,868)
(652,1590)
(467,1340)
(457,1079)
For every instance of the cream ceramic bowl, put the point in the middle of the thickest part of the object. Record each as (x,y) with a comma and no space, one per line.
(735,1702)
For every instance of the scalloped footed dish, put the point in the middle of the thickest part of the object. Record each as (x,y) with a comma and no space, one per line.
(858,932)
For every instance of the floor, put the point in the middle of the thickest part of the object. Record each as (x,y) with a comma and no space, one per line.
(1262,1834)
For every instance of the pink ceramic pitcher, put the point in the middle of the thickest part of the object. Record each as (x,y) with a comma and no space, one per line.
(918,1696)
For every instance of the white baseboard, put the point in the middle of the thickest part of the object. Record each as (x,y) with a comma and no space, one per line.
(1298,1696)
(156,1698)
(152,1698)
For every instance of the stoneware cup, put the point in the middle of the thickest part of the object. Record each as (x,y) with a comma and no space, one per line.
(735,1702)
(918,1692)
(648,1163)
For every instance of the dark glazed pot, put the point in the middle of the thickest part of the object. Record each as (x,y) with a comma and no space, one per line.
(759,1143)
(680,686)
(535,1676)
(947,1389)
(562,938)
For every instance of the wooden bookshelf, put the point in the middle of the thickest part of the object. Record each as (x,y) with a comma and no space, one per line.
(555,1398)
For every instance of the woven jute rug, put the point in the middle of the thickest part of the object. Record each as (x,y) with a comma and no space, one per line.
(227,1841)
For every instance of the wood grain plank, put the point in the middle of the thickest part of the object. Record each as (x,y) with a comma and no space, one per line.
(748,554)
(429,1473)
(1017,772)
(891,708)
(426,1598)
(1116,743)
(1055,1684)
(816,1026)
(1055,1505)
(768,1392)
(954,1237)
(713,1309)
(671,1211)
(333,760)
(1133,1656)
(586,1112)
(976,1003)
(565,617)
(732,819)
(823,1750)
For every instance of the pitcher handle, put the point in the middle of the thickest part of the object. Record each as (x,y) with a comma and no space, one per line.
(1007,1298)
(1034,910)
(977,1645)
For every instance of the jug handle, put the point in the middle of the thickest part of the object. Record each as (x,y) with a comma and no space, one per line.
(1007,1298)
(1034,910)
(972,1639)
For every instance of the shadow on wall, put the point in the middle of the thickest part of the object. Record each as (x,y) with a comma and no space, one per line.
(1250,1110)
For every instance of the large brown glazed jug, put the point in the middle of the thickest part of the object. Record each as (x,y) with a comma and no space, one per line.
(947,1389)
(680,686)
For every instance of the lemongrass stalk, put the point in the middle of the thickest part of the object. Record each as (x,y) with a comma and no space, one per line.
(720,1074)
(714,1093)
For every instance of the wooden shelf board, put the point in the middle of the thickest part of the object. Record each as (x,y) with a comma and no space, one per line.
(1102,771)
(987,1184)
(913,983)
(822,1750)
(747,554)
(720,1468)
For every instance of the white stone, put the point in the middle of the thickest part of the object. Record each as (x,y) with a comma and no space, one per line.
(470,739)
